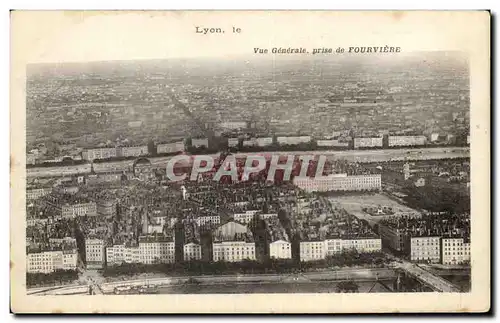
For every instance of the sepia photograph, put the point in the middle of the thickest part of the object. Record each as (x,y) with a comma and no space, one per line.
(245,157)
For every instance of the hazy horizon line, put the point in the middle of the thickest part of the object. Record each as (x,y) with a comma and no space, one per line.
(256,57)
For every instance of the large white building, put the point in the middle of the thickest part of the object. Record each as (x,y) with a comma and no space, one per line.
(280,249)
(249,143)
(131,151)
(192,251)
(50,261)
(362,244)
(199,142)
(331,143)
(95,253)
(312,250)
(233,142)
(293,140)
(245,217)
(118,254)
(455,251)
(425,249)
(264,141)
(366,142)
(333,246)
(339,182)
(395,141)
(170,147)
(233,251)
(99,153)
(80,209)
(156,250)
(35,193)
(208,219)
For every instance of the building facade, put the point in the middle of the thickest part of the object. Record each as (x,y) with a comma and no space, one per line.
(339,182)
(49,261)
(154,251)
(280,249)
(35,193)
(333,246)
(312,250)
(192,251)
(395,141)
(133,151)
(233,251)
(293,140)
(95,253)
(362,244)
(245,217)
(80,209)
(425,249)
(372,142)
(208,220)
(455,251)
(99,153)
(118,254)
(394,238)
(199,142)
(106,208)
(173,147)
(233,142)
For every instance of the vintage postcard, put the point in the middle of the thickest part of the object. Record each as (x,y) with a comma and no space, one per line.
(250,161)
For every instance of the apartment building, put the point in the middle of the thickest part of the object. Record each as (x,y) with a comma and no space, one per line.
(118,254)
(208,220)
(99,153)
(339,182)
(425,249)
(192,251)
(199,142)
(79,209)
(396,141)
(173,147)
(245,217)
(155,250)
(233,251)
(280,249)
(35,193)
(133,151)
(293,140)
(50,261)
(95,253)
(455,251)
(368,142)
(312,250)
(264,141)
(362,244)
(394,238)
(333,246)
(233,142)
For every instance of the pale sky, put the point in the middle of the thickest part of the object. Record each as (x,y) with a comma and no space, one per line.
(49,37)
